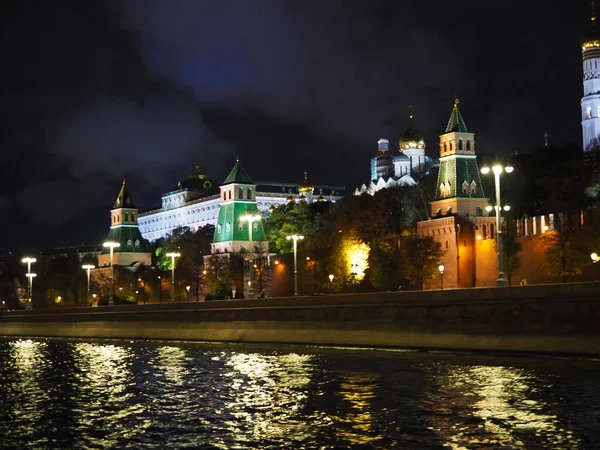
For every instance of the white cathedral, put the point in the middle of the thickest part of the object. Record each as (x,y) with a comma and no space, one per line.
(400,169)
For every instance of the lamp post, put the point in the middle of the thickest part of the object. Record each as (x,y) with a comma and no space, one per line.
(31,276)
(353,268)
(159,289)
(173,255)
(595,259)
(441,268)
(29,261)
(250,218)
(498,169)
(112,246)
(295,238)
(88,267)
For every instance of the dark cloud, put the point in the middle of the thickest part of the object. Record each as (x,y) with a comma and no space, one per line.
(102,90)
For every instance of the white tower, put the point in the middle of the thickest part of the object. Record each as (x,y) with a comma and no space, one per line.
(590,102)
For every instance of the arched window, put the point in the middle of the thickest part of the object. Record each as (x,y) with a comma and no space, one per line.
(228,226)
(218,228)
(478,212)
(468,144)
(137,243)
(241,226)
(449,211)
(129,243)
(450,146)
(589,112)
(445,147)
(249,193)
(460,144)
(438,213)
(473,187)
(229,194)
(446,244)
(241,193)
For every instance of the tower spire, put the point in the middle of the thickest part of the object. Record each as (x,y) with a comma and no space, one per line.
(593,5)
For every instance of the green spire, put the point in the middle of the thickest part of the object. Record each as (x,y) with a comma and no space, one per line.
(238,175)
(124,199)
(456,122)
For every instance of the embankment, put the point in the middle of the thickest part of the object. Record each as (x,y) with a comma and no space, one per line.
(549,318)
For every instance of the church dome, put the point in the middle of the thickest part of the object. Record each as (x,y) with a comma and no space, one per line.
(305,188)
(290,200)
(412,138)
(401,158)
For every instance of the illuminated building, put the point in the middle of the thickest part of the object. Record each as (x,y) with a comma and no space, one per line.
(196,201)
(590,102)
(401,169)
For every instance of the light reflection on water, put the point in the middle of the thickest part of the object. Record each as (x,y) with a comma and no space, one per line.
(78,394)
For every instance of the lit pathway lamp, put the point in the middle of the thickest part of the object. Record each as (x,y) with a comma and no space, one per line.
(295,238)
(498,170)
(251,218)
(29,261)
(173,255)
(441,268)
(31,276)
(595,259)
(112,246)
(88,267)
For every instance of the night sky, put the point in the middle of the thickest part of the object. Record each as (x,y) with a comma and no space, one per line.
(98,91)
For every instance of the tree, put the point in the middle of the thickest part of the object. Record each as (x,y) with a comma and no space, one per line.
(421,257)
(565,253)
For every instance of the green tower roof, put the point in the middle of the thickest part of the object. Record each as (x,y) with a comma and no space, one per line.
(238,175)
(456,122)
(124,199)
(129,238)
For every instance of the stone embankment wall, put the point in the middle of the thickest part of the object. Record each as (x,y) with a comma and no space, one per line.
(549,318)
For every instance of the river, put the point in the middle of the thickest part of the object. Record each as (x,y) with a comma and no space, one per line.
(85,394)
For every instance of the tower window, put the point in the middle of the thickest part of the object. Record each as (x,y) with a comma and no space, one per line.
(460,144)
(249,193)
(227,226)
(137,243)
(445,147)
(468,144)
(229,194)
(129,243)
(473,187)
(589,112)
(241,226)
(241,193)
(218,228)
(255,226)
(465,187)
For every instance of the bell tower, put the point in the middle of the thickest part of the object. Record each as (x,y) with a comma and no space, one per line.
(590,102)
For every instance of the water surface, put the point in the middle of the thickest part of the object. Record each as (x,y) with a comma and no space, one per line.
(61,394)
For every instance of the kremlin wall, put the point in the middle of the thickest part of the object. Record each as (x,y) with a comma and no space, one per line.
(557,319)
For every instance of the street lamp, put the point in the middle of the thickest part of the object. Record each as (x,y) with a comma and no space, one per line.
(331,278)
(498,169)
(173,255)
(31,276)
(295,238)
(595,259)
(88,267)
(29,261)
(112,246)
(353,273)
(250,218)
(441,268)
